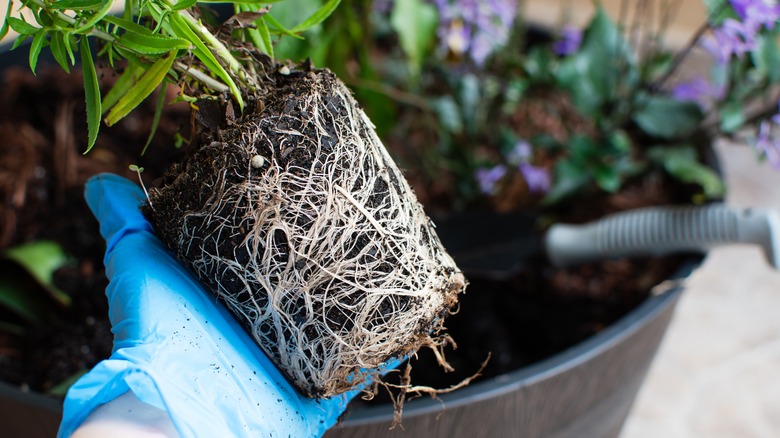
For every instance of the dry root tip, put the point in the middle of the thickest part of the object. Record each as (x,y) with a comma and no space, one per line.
(400,392)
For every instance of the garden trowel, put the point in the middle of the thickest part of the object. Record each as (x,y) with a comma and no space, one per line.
(497,246)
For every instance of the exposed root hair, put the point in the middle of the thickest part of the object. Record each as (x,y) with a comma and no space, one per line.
(298,219)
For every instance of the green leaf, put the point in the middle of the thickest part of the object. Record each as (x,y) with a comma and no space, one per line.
(92,93)
(150,44)
(731,116)
(184,4)
(241,2)
(604,65)
(668,118)
(607,178)
(448,114)
(158,110)
(19,41)
(718,11)
(21,27)
(279,28)
(41,259)
(682,163)
(317,17)
(415,22)
(122,85)
(766,56)
(569,179)
(4,29)
(76,4)
(261,37)
(127,25)
(35,48)
(94,19)
(142,89)
(59,50)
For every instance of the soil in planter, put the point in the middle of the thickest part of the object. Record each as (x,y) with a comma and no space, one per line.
(42,173)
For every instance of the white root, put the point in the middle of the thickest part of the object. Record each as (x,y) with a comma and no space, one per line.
(338,268)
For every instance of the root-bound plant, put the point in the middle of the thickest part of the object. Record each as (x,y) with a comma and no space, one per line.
(288,207)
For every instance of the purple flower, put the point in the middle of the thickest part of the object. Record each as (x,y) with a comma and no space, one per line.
(487,178)
(475,27)
(382,6)
(732,38)
(570,41)
(521,153)
(537,178)
(760,12)
(698,90)
(768,145)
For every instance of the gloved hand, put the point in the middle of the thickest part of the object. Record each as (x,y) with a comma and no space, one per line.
(176,347)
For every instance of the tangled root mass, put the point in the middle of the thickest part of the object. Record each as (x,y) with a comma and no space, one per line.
(298,219)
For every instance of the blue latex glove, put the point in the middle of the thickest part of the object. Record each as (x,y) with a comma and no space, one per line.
(178,349)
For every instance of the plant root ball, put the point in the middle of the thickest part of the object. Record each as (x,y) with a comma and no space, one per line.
(298,219)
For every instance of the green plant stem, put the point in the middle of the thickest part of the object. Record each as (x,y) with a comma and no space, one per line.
(219,49)
(202,77)
(72,21)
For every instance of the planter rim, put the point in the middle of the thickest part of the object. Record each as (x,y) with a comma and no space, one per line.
(554,365)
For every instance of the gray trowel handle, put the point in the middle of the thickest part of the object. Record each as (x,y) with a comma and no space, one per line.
(664,230)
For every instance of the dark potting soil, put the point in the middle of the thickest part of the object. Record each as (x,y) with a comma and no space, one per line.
(42,172)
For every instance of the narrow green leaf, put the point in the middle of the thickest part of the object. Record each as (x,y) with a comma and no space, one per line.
(57,45)
(158,109)
(99,15)
(184,4)
(35,48)
(665,117)
(4,29)
(265,37)
(415,23)
(731,116)
(76,4)
(127,25)
(277,27)
(19,41)
(67,39)
(569,179)
(122,85)
(21,27)
(681,162)
(41,259)
(142,89)
(317,17)
(92,92)
(150,44)
(604,65)
(241,2)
